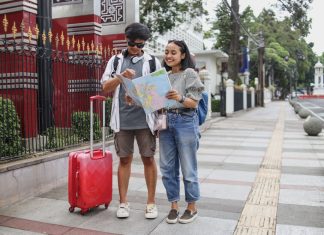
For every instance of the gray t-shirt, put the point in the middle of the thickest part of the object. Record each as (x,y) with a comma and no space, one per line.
(187,83)
(131,116)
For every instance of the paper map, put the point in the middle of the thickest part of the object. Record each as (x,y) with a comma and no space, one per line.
(149,91)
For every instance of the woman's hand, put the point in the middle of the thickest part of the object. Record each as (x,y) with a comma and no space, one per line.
(128,73)
(173,95)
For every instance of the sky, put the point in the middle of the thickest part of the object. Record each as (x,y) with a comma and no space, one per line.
(315,12)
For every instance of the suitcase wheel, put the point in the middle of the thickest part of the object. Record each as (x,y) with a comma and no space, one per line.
(71,209)
(106,205)
(82,212)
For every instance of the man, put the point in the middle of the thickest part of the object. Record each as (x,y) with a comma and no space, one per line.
(130,121)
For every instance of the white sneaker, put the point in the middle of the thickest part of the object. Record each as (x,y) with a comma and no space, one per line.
(151,211)
(123,210)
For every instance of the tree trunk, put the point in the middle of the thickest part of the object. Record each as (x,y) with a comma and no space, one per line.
(233,62)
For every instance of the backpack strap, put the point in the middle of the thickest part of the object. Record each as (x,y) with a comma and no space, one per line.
(115,64)
(152,64)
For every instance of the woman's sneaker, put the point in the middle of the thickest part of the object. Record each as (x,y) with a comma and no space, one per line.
(123,210)
(151,211)
(188,216)
(172,216)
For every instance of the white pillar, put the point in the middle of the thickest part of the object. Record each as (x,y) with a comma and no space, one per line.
(207,88)
(229,96)
(244,96)
(252,97)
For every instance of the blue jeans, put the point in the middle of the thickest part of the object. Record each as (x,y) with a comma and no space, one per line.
(178,145)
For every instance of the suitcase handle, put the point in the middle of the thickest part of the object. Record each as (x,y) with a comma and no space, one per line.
(100,98)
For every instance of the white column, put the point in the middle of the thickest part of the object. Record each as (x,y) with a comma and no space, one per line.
(229,96)
(244,96)
(322,80)
(207,88)
(252,97)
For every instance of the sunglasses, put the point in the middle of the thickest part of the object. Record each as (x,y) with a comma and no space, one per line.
(138,45)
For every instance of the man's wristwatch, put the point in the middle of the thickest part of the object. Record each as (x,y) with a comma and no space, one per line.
(182,99)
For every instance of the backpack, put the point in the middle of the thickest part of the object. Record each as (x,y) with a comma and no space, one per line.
(202,109)
(151,62)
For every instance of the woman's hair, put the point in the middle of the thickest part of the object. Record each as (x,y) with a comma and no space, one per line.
(137,31)
(188,61)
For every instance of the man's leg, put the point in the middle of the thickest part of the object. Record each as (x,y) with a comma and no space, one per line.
(150,172)
(124,146)
(147,145)
(124,171)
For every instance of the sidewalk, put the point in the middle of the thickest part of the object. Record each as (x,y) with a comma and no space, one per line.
(259,174)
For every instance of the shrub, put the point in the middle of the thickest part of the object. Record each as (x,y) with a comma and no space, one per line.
(108,110)
(10,138)
(215,105)
(81,125)
(108,113)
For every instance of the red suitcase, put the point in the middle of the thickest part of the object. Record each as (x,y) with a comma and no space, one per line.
(90,172)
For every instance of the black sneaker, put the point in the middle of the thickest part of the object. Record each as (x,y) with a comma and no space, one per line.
(172,216)
(188,216)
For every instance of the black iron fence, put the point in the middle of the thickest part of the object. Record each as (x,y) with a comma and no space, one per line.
(238,100)
(44,92)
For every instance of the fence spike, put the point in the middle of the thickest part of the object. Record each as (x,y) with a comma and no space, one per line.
(44,37)
(5,23)
(73,42)
(92,46)
(78,45)
(14,30)
(62,38)
(83,43)
(68,43)
(88,48)
(57,40)
(30,34)
(50,35)
(36,29)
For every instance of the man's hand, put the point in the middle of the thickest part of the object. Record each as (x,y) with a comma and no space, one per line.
(129,100)
(128,73)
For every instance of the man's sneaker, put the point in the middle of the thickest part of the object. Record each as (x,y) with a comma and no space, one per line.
(172,216)
(188,216)
(151,211)
(123,210)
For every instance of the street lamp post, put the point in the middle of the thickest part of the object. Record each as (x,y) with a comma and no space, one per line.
(223,95)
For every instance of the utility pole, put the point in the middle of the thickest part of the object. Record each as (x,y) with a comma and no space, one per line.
(44,67)
(260,69)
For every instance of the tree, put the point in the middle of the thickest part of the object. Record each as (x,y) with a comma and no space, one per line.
(297,10)
(221,28)
(163,15)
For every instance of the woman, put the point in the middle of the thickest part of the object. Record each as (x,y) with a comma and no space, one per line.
(179,142)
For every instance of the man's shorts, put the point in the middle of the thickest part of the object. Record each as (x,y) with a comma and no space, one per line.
(124,142)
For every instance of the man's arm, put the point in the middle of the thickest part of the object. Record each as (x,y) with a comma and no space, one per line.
(111,84)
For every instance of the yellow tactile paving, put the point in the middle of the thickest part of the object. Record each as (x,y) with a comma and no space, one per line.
(260,210)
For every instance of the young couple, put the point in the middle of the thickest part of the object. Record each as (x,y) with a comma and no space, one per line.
(178,144)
